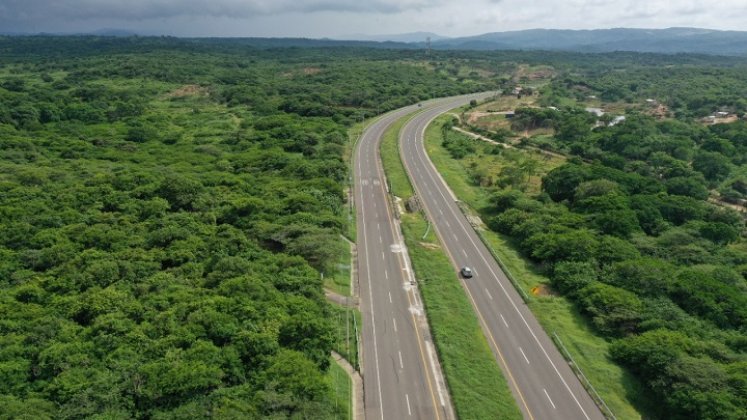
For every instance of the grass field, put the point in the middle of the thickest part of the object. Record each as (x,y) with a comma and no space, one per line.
(345,321)
(476,383)
(341,388)
(616,386)
(338,280)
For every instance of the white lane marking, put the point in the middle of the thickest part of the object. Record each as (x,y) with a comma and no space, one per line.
(380,241)
(390,297)
(373,312)
(394,321)
(386,274)
(488,293)
(500,284)
(464,252)
(433,366)
(504,320)
(378,226)
(407,397)
(455,237)
(383,258)
(548,397)
(525,356)
(441,211)
(401,365)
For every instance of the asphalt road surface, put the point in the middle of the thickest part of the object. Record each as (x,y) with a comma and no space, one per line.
(539,377)
(402,377)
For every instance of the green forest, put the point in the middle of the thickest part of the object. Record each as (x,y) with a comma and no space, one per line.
(642,225)
(167,208)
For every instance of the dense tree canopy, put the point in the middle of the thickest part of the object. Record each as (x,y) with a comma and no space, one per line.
(165,211)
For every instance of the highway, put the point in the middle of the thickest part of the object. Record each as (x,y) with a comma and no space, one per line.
(539,377)
(402,377)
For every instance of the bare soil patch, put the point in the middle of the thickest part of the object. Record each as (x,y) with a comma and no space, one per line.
(188,90)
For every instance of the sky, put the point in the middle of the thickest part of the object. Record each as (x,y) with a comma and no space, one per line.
(348,18)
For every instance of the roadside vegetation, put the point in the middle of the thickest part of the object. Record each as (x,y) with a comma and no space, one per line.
(468,178)
(168,207)
(633,229)
(476,383)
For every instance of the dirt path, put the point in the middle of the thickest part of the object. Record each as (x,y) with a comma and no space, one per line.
(507,145)
(346,301)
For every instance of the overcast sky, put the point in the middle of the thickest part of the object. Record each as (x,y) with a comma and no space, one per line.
(341,18)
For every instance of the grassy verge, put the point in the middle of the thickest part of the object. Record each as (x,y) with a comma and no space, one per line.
(620,390)
(346,321)
(341,390)
(476,383)
(338,280)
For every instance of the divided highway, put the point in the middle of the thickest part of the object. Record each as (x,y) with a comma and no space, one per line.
(402,377)
(541,380)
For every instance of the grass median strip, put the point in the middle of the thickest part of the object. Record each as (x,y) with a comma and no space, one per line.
(476,383)
(620,390)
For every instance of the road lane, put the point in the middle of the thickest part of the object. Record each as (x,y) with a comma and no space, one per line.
(402,376)
(540,379)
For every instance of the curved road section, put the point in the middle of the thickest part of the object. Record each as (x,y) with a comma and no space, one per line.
(541,380)
(402,377)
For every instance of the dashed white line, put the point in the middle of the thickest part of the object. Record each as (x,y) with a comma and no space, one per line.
(380,241)
(464,252)
(383,258)
(394,321)
(407,398)
(401,365)
(378,227)
(525,356)
(504,320)
(447,223)
(386,274)
(548,398)
(390,297)
(488,293)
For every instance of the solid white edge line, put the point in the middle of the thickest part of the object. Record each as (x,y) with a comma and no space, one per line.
(371,302)
(428,346)
(513,304)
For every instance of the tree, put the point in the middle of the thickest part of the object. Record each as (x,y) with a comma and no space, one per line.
(561,182)
(614,311)
(714,166)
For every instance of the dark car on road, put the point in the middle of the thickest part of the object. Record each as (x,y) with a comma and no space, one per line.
(466,272)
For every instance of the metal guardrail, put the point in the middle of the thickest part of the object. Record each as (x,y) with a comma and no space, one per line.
(606,411)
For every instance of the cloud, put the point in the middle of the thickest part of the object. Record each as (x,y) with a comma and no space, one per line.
(164,9)
(320,18)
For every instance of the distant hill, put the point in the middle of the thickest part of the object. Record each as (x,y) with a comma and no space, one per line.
(113,32)
(412,37)
(671,40)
